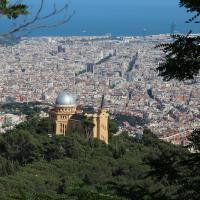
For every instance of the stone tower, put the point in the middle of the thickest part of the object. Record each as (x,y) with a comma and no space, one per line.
(100,121)
(102,125)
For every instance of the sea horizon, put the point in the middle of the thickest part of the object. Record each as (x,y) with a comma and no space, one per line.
(104,35)
(119,18)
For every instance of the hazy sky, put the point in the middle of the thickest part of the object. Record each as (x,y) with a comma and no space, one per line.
(114,2)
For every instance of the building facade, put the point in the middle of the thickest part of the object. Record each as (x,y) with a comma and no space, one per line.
(67,118)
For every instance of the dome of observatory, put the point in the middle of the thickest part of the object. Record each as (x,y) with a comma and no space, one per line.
(65,99)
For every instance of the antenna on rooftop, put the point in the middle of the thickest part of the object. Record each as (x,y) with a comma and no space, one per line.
(102,101)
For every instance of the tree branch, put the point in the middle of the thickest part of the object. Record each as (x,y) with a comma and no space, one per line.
(37,21)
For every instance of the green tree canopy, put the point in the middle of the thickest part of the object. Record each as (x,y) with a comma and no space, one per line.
(191,5)
(12,11)
(182,60)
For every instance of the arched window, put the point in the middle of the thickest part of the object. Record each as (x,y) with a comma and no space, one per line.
(60,127)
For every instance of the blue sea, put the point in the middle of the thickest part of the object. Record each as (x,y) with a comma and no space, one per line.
(118,17)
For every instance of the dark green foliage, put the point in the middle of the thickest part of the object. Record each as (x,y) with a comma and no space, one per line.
(12,11)
(112,126)
(88,127)
(19,146)
(88,109)
(182,62)
(76,194)
(36,166)
(132,120)
(192,6)
(182,58)
(29,108)
(7,167)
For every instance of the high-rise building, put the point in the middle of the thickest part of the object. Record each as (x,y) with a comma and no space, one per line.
(172,28)
(61,49)
(150,91)
(90,67)
(130,95)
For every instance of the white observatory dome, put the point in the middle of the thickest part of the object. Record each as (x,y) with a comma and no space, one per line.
(65,99)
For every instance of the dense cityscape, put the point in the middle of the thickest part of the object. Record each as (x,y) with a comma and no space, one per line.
(100,100)
(121,68)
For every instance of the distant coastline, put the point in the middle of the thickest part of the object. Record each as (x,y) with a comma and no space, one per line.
(154,37)
(108,36)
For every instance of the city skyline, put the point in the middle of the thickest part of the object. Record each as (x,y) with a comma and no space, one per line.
(123,69)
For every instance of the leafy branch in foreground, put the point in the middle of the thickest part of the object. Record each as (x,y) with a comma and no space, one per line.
(12,11)
(35,21)
(191,6)
(182,58)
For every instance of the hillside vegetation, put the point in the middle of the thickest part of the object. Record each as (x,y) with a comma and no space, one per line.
(36,166)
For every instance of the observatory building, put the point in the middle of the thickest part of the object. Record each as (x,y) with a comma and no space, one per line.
(67,118)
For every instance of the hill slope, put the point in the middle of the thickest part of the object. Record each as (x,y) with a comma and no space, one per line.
(35,166)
